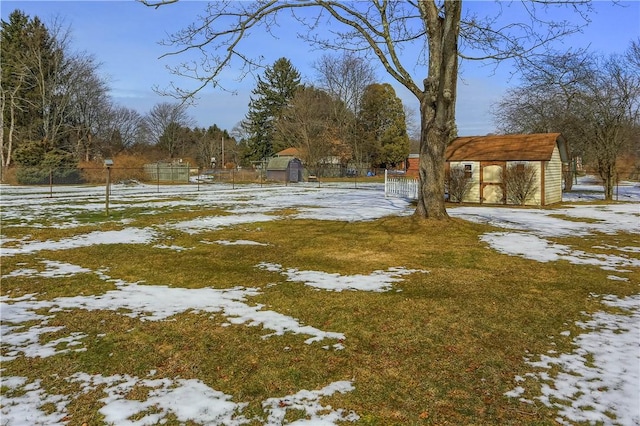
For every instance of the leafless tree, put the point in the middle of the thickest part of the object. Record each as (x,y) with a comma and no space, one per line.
(125,128)
(163,123)
(310,124)
(345,77)
(385,29)
(89,105)
(609,111)
(520,182)
(594,101)
(546,101)
(459,184)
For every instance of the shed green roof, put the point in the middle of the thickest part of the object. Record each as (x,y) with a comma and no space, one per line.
(279,163)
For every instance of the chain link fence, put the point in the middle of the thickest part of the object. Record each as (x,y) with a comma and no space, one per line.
(162,174)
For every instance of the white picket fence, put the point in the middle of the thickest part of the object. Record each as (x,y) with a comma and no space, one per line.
(401,187)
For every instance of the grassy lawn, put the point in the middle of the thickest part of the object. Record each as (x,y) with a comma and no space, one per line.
(442,346)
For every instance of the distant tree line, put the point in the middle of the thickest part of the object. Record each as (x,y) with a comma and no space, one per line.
(593,100)
(57,113)
(347,117)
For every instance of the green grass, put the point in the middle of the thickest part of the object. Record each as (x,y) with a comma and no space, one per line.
(442,347)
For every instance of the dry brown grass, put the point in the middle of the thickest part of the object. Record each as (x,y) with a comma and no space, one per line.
(442,347)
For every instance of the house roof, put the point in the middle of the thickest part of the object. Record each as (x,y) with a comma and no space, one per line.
(289,152)
(523,147)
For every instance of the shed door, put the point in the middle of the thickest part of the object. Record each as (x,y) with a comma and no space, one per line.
(492,180)
(293,172)
(493,194)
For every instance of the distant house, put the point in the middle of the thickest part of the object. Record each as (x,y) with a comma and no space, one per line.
(289,152)
(285,169)
(412,165)
(485,157)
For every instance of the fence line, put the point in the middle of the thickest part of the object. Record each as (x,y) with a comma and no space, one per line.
(401,187)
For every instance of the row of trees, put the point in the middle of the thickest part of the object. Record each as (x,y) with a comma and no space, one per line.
(347,116)
(57,112)
(593,100)
(56,109)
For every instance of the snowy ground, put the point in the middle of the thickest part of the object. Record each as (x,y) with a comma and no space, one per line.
(599,381)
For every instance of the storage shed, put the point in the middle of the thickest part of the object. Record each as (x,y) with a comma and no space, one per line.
(285,169)
(485,158)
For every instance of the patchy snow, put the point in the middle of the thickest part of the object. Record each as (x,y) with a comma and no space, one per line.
(308,402)
(52,269)
(533,247)
(598,382)
(206,405)
(125,236)
(377,281)
(26,406)
(239,243)
(197,226)
(165,396)
(529,230)
(148,303)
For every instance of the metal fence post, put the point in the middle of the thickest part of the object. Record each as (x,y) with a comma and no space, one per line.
(108,190)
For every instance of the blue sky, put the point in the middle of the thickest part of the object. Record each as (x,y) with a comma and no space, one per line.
(123,36)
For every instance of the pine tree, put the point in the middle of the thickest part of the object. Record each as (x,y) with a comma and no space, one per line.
(383,125)
(22,81)
(272,94)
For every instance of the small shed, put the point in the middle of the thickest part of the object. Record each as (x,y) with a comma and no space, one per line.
(484,159)
(285,169)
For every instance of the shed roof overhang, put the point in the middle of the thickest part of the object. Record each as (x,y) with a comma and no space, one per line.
(521,147)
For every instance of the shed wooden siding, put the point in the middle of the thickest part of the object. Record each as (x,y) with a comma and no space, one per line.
(489,155)
(553,179)
(284,169)
(473,196)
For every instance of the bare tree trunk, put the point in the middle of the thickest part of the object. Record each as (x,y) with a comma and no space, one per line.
(607,173)
(569,175)
(3,104)
(437,106)
(12,128)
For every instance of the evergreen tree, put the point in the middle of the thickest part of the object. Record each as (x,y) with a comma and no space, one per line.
(51,98)
(383,125)
(36,81)
(28,58)
(272,94)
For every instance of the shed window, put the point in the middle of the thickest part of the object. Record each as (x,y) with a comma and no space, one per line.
(467,171)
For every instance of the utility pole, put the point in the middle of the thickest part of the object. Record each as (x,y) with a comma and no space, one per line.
(222,152)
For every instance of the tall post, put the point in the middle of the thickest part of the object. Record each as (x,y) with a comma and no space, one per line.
(386,188)
(108,189)
(108,163)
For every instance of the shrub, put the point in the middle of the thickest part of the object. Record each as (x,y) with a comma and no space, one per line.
(458,184)
(126,167)
(43,176)
(520,182)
